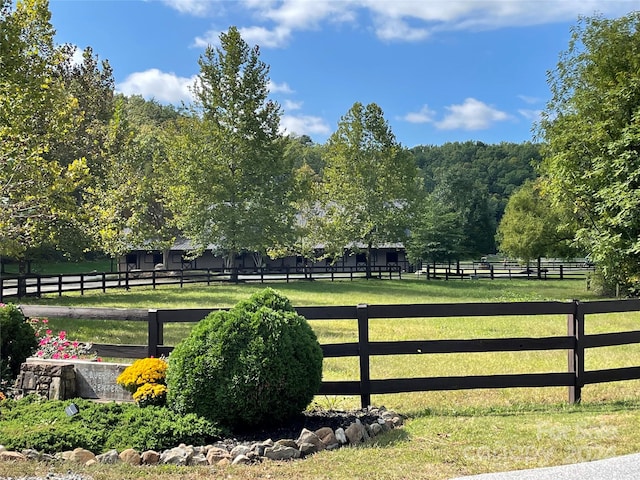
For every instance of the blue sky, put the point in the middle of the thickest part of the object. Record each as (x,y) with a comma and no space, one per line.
(441,70)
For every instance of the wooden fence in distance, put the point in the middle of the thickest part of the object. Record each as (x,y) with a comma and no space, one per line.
(37,285)
(575,342)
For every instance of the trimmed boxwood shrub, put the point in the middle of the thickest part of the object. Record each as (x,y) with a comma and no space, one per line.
(256,364)
(17,341)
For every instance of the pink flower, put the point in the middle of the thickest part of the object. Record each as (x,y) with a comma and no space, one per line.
(48,332)
(75,344)
(55,356)
(62,335)
(40,353)
(45,320)
(44,341)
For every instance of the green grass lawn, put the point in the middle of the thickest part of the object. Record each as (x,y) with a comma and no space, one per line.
(447,434)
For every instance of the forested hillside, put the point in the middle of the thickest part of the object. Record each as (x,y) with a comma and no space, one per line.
(500,168)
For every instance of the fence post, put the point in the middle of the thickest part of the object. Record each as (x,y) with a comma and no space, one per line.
(82,284)
(154,333)
(104,282)
(575,329)
(363,349)
(39,286)
(561,272)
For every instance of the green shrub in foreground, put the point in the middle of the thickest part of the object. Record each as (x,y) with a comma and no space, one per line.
(43,425)
(259,363)
(17,341)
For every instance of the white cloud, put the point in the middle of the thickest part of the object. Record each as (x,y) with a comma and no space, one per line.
(77,58)
(530,100)
(397,29)
(264,37)
(304,125)
(279,87)
(291,105)
(533,115)
(432,16)
(471,115)
(163,87)
(399,20)
(191,7)
(425,115)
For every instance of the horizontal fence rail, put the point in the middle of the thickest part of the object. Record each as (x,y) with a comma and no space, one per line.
(37,285)
(497,270)
(575,342)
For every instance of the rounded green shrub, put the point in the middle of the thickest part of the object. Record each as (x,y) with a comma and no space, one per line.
(17,341)
(258,363)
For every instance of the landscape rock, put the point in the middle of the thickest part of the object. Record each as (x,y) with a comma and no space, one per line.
(10,456)
(81,455)
(281,452)
(355,433)
(239,450)
(111,457)
(198,459)
(308,449)
(360,426)
(307,436)
(150,457)
(241,460)
(131,457)
(215,455)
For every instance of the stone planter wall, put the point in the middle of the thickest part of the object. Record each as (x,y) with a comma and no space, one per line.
(63,379)
(54,381)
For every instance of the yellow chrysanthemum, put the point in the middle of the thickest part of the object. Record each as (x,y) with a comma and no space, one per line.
(141,372)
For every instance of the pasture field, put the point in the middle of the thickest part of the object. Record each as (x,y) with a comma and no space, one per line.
(447,434)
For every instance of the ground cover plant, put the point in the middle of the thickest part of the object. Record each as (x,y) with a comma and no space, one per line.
(447,434)
(44,425)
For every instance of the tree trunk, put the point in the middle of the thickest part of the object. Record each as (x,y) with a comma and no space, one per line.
(230,263)
(539,268)
(369,249)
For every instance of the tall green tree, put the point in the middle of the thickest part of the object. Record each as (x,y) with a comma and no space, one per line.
(228,179)
(437,233)
(38,192)
(532,227)
(126,201)
(371,184)
(458,191)
(591,128)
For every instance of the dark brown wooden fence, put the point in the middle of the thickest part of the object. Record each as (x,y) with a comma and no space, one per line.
(575,342)
(36,285)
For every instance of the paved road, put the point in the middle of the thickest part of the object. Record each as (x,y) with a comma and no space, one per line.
(618,468)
